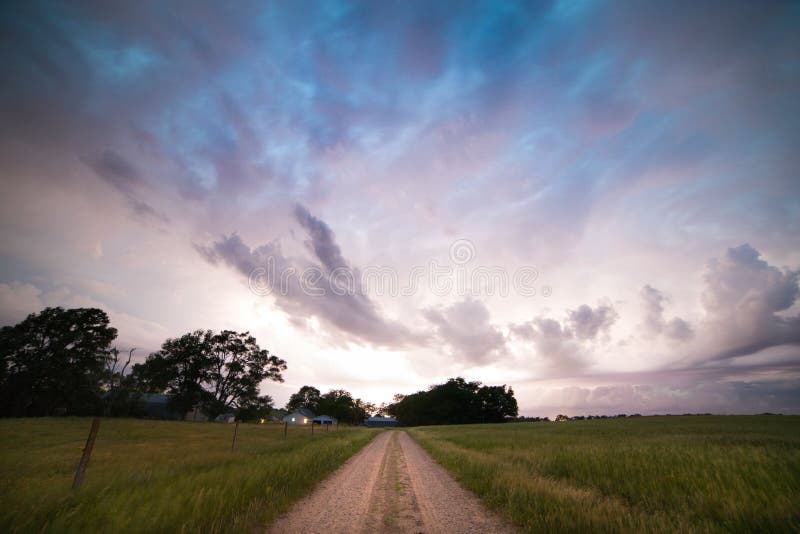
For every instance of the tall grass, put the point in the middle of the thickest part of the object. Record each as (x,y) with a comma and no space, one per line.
(649,474)
(159,476)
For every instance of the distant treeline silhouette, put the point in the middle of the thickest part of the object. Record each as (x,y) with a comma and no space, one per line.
(455,402)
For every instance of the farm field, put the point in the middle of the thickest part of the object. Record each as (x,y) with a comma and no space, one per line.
(160,476)
(644,474)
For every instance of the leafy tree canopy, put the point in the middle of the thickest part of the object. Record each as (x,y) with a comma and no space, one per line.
(455,402)
(53,362)
(307,397)
(219,371)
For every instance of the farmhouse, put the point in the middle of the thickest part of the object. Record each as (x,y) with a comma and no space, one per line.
(303,416)
(324,420)
(380,421)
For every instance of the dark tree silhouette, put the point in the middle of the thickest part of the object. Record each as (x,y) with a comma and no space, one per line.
(455,402)
(307,397)
(221,372)
(255,409)
(54,362)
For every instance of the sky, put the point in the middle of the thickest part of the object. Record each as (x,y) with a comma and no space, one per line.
(596,203)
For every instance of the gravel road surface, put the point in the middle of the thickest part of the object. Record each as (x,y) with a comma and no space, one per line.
(392,485)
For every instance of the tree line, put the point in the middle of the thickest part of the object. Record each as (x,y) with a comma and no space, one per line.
(455,402)
(62,362)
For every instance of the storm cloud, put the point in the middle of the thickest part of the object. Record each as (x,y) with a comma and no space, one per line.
(744,297)
(304,289)
(653,300)
(465,328)
(567,345)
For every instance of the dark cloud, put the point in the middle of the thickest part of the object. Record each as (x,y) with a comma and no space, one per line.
(465,328)
(654,324)
(125,178)
(323,242)
(566,345)
(306,289)
(743,299)
(587,323)
(555,345)
(117,171)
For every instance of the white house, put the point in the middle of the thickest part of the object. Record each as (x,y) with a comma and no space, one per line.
(303,416)
(324,420)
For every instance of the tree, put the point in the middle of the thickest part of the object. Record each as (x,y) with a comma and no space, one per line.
(341,405)
(454,402)
(53,362)
(239,365)
(307,397)
(497,403)
(255,409)
(180,369)
(221,372)
(119,399)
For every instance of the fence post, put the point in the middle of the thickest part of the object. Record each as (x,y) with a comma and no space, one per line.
(87,452)
(235,432)
(326,427)
(285,429)
(312,429)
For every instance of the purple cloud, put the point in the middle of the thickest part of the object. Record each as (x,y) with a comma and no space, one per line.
(325,288)
(465,328)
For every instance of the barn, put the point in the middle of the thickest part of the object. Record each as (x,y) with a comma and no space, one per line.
(379,421)
(303,416)
(324,420)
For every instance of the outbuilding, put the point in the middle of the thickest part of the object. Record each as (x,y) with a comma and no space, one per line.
(324,420)
(379,421)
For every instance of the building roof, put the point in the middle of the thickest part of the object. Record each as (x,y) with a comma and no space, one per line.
(305,412)
(381,418)
(154,398)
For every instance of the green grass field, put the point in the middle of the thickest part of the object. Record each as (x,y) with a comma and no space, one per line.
(646,474)
(159,476)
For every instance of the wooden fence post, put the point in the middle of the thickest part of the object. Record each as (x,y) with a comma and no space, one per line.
(87,452)
(235,432)
(285,429)
(312,429)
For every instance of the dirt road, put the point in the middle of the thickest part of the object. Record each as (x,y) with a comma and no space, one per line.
(392,486)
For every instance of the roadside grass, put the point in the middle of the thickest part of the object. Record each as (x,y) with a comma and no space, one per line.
(160,476)
(644,474)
